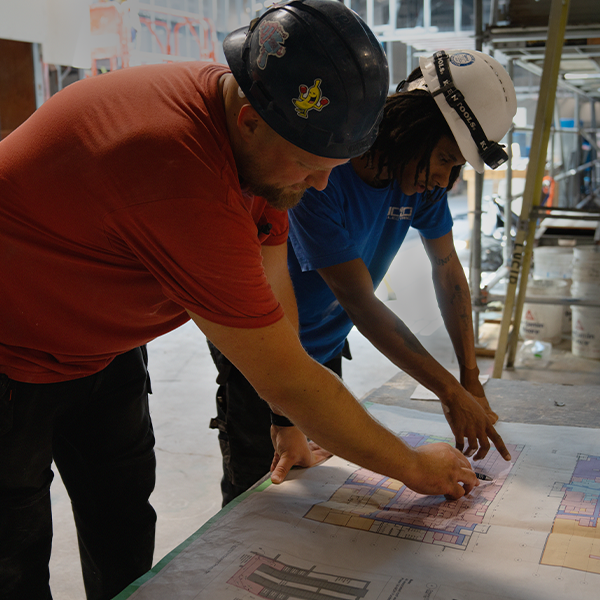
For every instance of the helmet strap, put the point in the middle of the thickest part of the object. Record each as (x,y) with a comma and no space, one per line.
(492,153)
(409,86)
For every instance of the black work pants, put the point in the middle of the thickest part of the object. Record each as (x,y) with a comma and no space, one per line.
(98,431)
(244,423)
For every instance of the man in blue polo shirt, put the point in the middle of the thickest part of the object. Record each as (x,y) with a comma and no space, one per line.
(454,108)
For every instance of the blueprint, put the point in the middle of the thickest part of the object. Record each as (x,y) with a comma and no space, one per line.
(371,502)
(575,538)
(340,532)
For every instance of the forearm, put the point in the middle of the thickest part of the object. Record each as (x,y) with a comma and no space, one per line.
(454,301)
(310,395)
(453,297)
(337,422)
(390,335)
(316,400)
(329,415)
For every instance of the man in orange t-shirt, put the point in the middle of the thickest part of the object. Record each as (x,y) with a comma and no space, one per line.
(134,201)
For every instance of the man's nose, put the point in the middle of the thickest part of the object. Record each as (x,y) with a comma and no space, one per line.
(318,179)
(442,176)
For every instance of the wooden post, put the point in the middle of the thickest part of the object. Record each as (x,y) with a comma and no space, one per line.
(521,257)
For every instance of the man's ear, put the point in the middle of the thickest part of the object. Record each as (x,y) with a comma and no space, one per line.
(248,122)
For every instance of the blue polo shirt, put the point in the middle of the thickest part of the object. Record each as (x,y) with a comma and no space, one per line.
(350,220)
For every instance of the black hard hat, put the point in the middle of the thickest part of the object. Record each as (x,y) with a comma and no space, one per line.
(315,73)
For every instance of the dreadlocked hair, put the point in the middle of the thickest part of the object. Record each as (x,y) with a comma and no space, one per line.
(412,125)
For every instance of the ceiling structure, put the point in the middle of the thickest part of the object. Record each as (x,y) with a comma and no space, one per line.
(520,32)
(517,29)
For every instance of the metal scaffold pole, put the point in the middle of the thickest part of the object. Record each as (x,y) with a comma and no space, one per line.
(475,265)
(522,250)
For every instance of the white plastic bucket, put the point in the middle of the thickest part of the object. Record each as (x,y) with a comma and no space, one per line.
(586,263)
(586,332)
(543,321)
(586,290)
(585,325)
(555,262)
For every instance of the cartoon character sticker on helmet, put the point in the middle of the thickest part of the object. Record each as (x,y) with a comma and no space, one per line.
(310,97)
(271,38)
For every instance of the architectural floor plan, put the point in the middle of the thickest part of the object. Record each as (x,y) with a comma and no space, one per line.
(384,506)
(340,532)
(575,538)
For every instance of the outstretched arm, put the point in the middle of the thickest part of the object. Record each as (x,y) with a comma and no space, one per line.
(274,362)
(291,448)
(454,299)
(352,285)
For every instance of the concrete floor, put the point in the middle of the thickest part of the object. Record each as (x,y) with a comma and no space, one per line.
(183,378)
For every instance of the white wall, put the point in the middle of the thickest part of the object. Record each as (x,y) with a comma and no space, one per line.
(61,26)
(23,20)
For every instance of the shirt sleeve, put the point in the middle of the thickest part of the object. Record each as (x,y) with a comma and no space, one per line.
(279,222)
(433,218)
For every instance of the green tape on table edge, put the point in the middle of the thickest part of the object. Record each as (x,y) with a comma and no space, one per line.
(137,584)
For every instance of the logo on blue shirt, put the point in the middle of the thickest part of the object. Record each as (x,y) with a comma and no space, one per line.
(400,213)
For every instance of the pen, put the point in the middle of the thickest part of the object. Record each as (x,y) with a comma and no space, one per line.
(483,477)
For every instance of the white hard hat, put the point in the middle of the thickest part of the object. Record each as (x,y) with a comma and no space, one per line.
(478,100)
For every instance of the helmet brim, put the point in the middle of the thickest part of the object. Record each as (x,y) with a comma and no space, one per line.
(461,134)
(459,130)
(233,48)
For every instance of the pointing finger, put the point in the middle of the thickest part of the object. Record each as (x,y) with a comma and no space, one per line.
(498,442)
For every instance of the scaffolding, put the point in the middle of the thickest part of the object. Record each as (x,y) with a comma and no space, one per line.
(139,32)
(515,32)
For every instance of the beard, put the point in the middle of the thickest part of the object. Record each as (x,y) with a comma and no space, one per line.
(252,176)
(278,198)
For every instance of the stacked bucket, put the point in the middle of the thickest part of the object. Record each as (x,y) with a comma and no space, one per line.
(586,286)
(552,272)
(561,272)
